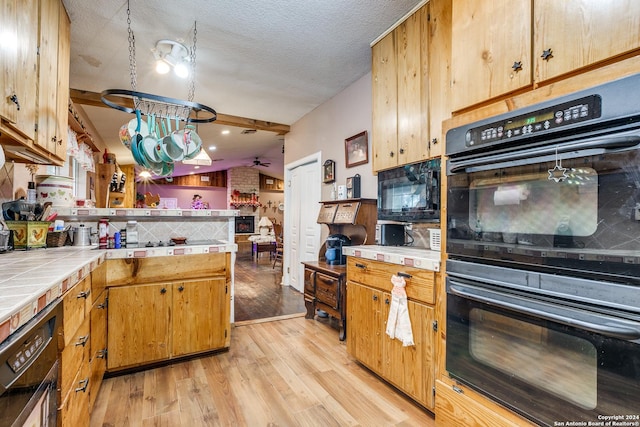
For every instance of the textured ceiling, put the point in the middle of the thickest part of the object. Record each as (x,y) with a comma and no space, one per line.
(271,60)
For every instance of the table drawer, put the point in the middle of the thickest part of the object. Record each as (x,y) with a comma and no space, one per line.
(420,284)
(327,290)
(309,282)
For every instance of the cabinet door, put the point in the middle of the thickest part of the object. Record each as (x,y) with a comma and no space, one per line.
(384,132)
(365,311)
(8,59)
(413,108)
(48,74)
(488,39)
(201,316)
(411,368)
(26,84)
(98,345)
(582,32)
(140,318)
(62,84)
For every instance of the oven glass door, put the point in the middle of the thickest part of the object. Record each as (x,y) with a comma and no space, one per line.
(574,210)
(547,371)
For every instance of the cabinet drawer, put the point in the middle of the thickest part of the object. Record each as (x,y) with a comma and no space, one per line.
(420,283)
(309,282)
(327,290)
(74,410)
(76,302)
(73,356)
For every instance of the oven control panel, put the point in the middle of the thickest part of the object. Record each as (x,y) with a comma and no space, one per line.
(30,349)
(565,114)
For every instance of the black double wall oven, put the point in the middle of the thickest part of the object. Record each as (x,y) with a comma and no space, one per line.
(543,240)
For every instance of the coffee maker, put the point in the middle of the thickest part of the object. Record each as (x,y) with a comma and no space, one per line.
(333,253)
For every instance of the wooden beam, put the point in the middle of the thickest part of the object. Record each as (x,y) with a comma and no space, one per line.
(84,97)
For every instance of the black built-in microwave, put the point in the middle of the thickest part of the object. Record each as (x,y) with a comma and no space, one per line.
(410,193)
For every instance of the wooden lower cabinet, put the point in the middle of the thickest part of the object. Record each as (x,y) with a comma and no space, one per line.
(458,406)
(82,334)
(154,322)
(411,369)
(98,345)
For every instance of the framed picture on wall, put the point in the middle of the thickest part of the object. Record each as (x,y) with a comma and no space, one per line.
(356,150)
(329,172)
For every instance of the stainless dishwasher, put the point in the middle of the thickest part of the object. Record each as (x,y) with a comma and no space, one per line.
(29,371)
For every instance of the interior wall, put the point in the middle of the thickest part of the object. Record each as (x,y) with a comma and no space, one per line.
(215,196)
(325,129)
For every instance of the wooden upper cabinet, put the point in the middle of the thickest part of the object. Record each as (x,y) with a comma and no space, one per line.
(53,78)
(400,101)
(385,103)
(490,49)
(580,33)
(8,60)
(413,105)
(62,83)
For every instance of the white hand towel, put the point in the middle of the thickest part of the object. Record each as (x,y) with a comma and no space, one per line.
(399,323)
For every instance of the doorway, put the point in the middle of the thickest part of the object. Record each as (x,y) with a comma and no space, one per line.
(302,232)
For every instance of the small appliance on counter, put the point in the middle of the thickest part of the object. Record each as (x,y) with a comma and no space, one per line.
(132,234)
(390,234)
(6,237)
(333,253)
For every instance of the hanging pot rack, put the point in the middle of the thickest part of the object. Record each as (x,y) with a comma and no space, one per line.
(160,106)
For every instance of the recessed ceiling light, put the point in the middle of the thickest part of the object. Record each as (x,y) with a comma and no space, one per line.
(226,132)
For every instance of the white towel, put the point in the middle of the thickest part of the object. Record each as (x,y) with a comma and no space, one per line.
(398,323)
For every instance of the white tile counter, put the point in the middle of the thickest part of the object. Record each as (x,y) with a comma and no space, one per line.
(402,255)
(31,280)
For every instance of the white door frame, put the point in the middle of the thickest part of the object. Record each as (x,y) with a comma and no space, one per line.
(288,199)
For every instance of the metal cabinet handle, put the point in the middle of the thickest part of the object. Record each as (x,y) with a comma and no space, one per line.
(391,154)
(362,266)
(84,294)
(180,288)
(82,341)
(517,66)
(375,297)
(401,151)
(83,385)
(402,274)
(547,54)
(14,99)
(386,301)
(163,290)
(102,354)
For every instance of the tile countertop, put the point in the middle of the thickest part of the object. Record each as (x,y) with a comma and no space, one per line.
(425,259)
(31,280)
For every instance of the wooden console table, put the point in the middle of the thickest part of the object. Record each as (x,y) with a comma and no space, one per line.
(325,289)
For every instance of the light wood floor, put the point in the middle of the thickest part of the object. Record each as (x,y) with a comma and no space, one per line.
(292,372)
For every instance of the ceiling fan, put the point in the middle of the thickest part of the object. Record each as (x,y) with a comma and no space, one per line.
(257,162)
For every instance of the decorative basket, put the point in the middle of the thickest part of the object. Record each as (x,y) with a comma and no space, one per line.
(56,238)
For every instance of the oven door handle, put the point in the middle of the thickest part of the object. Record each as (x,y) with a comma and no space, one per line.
(530,156)
(611,327)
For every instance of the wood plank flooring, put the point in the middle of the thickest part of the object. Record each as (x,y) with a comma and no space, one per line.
(281,370)
(258,292)
(291,372)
